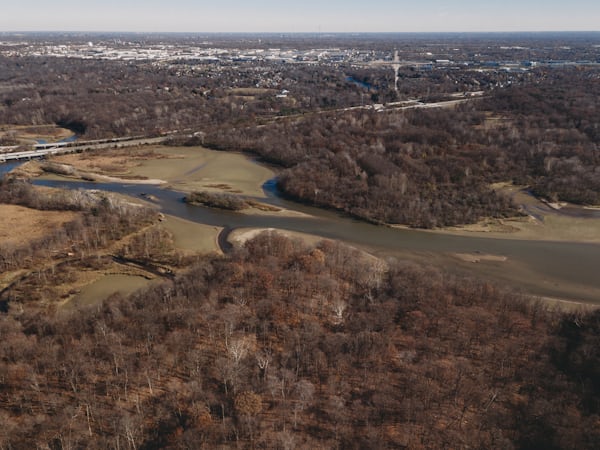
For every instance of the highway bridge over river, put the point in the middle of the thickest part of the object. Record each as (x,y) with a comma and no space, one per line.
(13,153)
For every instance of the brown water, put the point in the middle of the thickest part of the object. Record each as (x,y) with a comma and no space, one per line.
(96,292)
(556,269)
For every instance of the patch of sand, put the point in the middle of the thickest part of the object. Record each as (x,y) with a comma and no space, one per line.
(478,257)
(555,227)
(240,236)
(259,209)
(544,222)
(108,179)
(186,169)
(191,236)
(568,305)
(199,169)
(20,225)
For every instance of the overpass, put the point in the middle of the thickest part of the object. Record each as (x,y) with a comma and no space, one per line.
(42,150)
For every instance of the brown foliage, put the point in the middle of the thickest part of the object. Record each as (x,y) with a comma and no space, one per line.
(415,358)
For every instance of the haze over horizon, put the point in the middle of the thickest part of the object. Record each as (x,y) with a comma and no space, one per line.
(310,16)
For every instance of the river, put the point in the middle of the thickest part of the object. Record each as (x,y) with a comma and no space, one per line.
(7,167)
(547,268)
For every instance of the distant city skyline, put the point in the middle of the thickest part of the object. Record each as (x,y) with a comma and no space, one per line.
(307,16)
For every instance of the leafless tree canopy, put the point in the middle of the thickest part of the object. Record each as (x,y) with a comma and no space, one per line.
(254,350)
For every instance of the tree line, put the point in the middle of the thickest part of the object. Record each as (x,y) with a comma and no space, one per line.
(283,345)
(434,167)
(44,263)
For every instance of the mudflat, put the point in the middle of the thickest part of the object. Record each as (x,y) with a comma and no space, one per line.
(94,293)
(191,236)
(542,222)
(184,169)
(196,168)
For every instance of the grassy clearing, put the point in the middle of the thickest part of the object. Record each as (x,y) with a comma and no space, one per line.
(19,225)
(192,237)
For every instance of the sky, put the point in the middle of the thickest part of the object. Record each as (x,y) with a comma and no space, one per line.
(299,15)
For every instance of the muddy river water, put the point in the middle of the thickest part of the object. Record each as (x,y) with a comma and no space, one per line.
(567,270)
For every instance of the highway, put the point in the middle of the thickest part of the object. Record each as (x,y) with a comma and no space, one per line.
(56,148)
(41,150)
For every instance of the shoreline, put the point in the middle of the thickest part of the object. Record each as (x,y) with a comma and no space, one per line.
(555,228)
(490,262)
(244,182)
(238,236)
(189,169)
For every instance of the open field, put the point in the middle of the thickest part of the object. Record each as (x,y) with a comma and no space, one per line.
(19,225)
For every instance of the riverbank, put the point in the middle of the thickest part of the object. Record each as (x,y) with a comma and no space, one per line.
(559,267)
(79,248)
(191,237)
(489,265)
(240,236)
(189,169)
(542,221)
(32,134)
(553,227)
(182,169)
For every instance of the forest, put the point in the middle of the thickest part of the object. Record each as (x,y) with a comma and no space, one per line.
(434,167)
(283,345)
(423,167)
(279,343)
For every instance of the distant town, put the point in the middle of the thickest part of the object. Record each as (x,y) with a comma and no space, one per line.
(510,52)
(291,241)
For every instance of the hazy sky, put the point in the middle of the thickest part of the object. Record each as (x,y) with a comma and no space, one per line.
(299,15)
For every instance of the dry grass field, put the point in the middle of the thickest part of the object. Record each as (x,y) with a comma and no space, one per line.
(18,224)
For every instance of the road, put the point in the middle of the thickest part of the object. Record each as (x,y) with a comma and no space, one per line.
(395,106)
(41,150)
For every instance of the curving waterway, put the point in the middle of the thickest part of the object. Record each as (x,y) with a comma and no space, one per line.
(7,167)
(567,270)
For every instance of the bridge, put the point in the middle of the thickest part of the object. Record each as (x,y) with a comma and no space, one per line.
(11,153)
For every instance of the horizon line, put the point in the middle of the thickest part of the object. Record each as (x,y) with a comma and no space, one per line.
(304,32)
